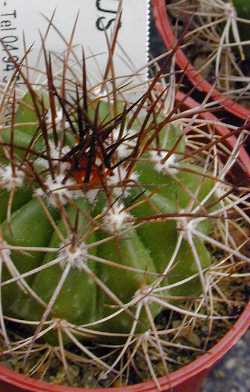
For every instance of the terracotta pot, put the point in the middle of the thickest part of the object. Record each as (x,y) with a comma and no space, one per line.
(187,379)
(165,29)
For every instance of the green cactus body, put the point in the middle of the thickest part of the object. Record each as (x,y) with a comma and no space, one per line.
(26,115)
(138,251)
(28,227)
(243,8)
(127,250)
(77,298)
(21,197)
(161,240)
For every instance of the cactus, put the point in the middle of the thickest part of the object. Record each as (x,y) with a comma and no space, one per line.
(106,217)
(51,210)
(242,7)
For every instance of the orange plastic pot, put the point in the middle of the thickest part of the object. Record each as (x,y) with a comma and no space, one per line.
(164,27)
(190,377)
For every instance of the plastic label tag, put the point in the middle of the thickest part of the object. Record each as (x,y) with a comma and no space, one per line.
(23,22)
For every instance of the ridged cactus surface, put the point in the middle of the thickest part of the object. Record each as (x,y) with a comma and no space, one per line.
(92,204)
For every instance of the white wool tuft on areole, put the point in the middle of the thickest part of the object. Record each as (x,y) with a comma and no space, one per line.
(116,219)
(57,189)
(74,253)
(169,166)
(11,179)
(56,153)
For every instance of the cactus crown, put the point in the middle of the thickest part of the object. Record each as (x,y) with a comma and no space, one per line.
(112,213)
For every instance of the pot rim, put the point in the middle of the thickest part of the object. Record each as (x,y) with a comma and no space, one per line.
(165,29)
(198,366)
